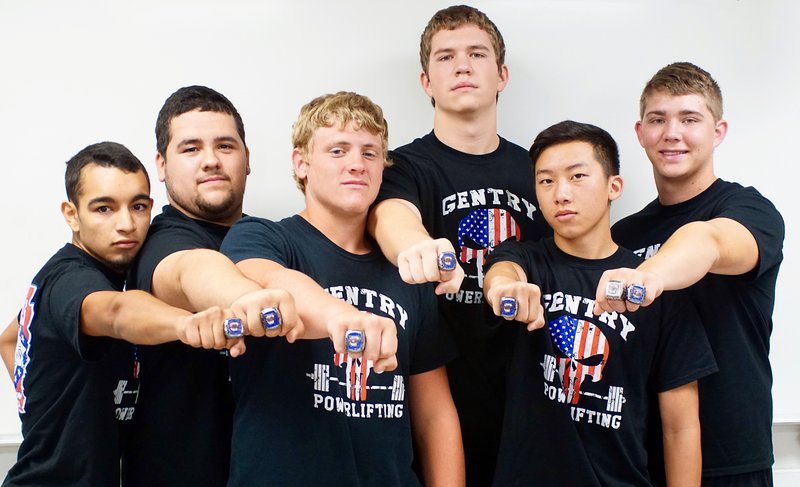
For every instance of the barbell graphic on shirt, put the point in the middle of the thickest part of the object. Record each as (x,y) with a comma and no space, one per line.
(357,372)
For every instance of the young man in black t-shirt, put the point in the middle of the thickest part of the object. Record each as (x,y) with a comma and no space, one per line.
(315,413)
(76,388)
(724,243)
(181,433)
(581,390)
(462,188)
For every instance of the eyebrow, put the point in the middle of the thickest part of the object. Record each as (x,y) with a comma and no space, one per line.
(682,112)
(474,47)
(110,199)
(197,141)
(574,166)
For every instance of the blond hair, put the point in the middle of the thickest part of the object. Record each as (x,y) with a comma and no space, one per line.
(678,79)
(340,109)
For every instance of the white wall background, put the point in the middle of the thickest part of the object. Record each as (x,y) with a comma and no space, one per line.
(79,72)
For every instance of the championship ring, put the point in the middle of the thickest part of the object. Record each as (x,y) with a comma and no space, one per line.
(635,293)
(447,261)
(233,328)
(615,290)
(270,318)
(354,341)
(508,307)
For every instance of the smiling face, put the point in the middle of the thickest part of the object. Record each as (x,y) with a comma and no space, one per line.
(463,75)
(205,167)
(679,134)
(574,193)
(343,171)
(111,216)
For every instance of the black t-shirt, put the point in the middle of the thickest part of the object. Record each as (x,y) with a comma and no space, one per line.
(579,391)
(306,415)
(183,422)
(737,315)
(475,201)
(71,387)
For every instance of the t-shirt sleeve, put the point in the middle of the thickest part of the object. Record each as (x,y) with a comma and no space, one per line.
(401,180)
(764,222)
(683,354)
(257,238)
(161,244)
(434,344)
(65,296)
(511,251)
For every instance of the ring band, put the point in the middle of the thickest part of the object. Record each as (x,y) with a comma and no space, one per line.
(271,318)
(447,261)
(354,341)
(615,290)
(233,328)
(635,293)
(508,307)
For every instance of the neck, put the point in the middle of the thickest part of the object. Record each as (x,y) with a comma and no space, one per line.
(474,133)
(594,244)
(346,231)
(672,192)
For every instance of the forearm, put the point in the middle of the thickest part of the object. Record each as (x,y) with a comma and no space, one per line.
(199,279)
(437,433)
(501,273)
(719,246)
(314,305)
(683,457)
(8,345)
(680,422)
(396,225)
(134,316)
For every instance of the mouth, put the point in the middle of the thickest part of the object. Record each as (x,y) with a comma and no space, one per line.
(565,215)
(126,244)
(213,179)
(672,154)
(355,183)
(464,85)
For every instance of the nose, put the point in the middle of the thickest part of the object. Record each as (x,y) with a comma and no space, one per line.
(672,130)
(463,65)
(125,221)
(563,191)
(210,159)
(356,165)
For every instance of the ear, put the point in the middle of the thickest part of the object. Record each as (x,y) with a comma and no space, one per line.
(161,163)
(720,130)
(638,129)
(426,84)
(502,80)
(299,165)
(70,213)
(247,155)
(614,187)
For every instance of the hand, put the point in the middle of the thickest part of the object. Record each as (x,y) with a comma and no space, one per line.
(529,301)
(420,263)
(652,283)
(205,329)
(248,306)
(380,335)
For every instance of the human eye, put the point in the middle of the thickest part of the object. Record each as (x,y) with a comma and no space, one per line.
(579,176)
(141,206)
(189,149)
(445,57)
(478,54)
(544,181)
(102,209)
(337,152)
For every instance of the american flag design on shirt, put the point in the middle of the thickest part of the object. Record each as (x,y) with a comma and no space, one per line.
(480,231)
(582,344)
(357,371)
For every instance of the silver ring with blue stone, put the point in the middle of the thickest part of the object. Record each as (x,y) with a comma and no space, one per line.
(354,341)
(271,318)
(635,293)
(233,328)
(508,307)
(447,261)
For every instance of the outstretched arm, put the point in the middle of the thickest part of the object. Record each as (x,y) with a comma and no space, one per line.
(437,433)
(718,246)
(397,227)
(325,316)
(681,429)
(506,279)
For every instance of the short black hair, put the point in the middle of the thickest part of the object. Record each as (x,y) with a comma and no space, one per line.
(191,98)
(105,154)
(605,148)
